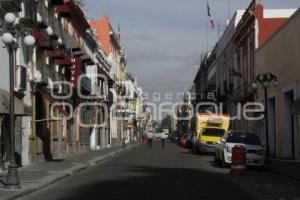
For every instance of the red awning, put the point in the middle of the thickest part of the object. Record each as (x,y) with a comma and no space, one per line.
(41,38)
(52,100)
(56,54)
(66,61)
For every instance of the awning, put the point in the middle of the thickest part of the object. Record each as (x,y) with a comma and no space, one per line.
(295,107)
(66,61)
(21,109)
(52,100)
(56,54)
(42,39)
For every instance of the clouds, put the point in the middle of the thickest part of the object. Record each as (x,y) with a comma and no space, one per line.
(140,37)
(164,38)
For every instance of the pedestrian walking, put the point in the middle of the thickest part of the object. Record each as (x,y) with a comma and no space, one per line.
(150,139)
(145,138)
(163,138)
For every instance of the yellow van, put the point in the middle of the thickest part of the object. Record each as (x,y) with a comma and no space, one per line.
(210,128)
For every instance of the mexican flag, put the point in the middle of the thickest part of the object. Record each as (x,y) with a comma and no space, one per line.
(210,17)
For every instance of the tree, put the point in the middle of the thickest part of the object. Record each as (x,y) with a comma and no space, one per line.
(167,122)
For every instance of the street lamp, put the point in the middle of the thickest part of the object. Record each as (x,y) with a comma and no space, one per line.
(10,36)
(265,80)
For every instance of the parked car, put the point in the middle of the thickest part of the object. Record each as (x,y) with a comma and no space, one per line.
(189,141)
(255,152)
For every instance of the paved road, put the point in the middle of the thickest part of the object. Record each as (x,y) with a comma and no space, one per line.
(143,173)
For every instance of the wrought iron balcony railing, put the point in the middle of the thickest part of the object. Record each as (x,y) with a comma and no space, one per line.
(28,16)
(42,14)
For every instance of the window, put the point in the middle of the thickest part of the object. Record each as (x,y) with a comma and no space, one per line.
(215,132)
(246,138)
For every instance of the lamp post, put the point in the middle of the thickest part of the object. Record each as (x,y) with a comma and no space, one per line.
(265,80)
(10,37)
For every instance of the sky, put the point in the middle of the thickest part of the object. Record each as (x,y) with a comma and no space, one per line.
(164,39)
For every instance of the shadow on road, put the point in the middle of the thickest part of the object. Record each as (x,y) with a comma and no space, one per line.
(159,183)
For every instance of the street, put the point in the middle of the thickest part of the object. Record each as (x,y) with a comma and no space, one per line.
(170,173)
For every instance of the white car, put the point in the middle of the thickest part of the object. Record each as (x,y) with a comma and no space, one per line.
(255,151)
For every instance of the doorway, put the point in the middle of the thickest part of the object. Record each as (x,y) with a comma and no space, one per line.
(272,125)
(289,140)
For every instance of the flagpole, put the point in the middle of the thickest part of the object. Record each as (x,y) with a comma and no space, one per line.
(207,25)
(229,9)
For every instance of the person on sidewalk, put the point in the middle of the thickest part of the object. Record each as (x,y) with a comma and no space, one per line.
(163,139)
(150,139)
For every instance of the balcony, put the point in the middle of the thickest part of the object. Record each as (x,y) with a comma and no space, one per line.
(57,27)
(28,16)
(42,15)
(11,5)
(42,75)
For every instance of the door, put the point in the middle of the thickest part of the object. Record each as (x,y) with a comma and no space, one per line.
(272,125)
(289,142)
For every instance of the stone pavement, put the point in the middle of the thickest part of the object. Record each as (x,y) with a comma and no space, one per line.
(286,168)
(37,176)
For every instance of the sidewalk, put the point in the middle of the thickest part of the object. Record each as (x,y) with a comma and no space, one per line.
(43,174)
(286,168)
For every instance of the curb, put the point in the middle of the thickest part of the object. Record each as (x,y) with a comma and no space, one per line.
(58,176)
(281,174)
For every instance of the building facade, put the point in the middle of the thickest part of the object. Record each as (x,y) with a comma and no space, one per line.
(72,80)
(279,55)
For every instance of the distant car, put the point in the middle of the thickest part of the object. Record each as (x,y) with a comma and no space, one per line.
(183,141)
(174,137)
(255,152)
(186,141)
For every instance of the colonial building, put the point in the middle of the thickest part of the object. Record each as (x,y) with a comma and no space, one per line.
(280,55)
(67,83)
(109,40)
(225,61)
(254,28)
(205,83)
